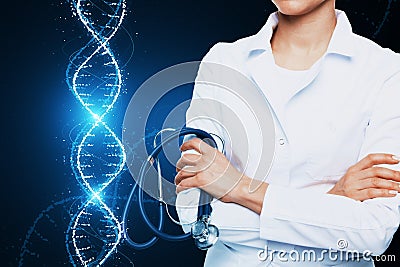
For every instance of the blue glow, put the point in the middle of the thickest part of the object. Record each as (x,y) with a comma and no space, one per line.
(46,238)
(98,156)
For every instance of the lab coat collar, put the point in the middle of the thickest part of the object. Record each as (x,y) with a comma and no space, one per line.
(341,41)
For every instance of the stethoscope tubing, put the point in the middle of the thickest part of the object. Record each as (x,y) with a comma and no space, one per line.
(203,209)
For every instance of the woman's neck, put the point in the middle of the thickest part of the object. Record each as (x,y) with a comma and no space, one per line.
(299,41)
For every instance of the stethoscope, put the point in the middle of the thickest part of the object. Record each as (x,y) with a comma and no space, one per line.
(204,233)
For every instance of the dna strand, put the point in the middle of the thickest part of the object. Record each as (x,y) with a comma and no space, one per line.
(97,156)
(384,18)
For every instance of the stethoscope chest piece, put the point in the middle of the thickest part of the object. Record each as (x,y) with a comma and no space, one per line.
(205,234)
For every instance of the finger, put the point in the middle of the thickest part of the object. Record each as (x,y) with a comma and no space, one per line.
(197,145)
(374,193)
(379,183)
(181,175)
(186,184)
(187,160)
(381,172)
(374,159)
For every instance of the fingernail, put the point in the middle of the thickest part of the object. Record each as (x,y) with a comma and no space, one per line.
(393,192)
(396,157)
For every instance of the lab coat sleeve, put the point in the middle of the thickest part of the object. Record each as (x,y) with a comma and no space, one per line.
(318,219)
(203,113)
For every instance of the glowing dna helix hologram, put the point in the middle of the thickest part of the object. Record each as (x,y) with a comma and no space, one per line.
(97,157)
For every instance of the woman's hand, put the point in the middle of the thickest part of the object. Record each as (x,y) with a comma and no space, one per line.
(208,170)
(211,171)
(364,180)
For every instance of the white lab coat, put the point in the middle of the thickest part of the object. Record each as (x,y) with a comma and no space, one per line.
(346,108)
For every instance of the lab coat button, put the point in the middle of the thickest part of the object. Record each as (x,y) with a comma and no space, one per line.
(281,141)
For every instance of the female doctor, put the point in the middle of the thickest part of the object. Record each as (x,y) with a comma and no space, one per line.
(334,99)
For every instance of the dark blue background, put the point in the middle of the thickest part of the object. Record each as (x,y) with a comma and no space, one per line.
(39,113)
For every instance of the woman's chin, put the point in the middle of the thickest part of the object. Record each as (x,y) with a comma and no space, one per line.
(294,10)
(297,7)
